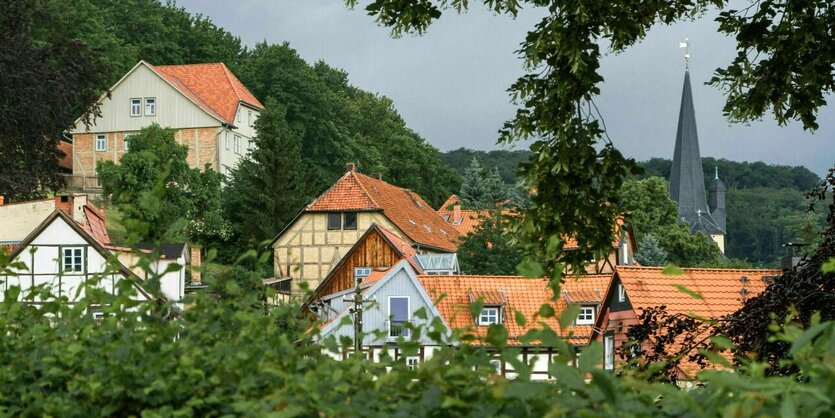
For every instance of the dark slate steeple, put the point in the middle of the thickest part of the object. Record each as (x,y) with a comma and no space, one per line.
(687,183)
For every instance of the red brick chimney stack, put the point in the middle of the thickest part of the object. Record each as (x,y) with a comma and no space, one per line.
(65,203)
(456,214)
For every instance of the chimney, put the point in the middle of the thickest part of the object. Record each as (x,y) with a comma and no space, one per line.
(195,265)
(794,254)
(378,176)
(350,167)
(456,214)
(65,203)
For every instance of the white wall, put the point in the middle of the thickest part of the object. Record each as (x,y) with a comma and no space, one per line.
(42,264)
(173,110)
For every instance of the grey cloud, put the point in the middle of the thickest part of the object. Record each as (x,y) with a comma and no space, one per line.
(450,84)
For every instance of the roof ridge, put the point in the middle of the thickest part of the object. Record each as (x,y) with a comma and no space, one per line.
(697,269)
(226,73)
(364,189)
(183,85)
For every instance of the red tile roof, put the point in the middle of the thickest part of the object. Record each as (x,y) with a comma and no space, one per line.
(405,249)
(96,223)
(521,294)
(66,160)
(721,293)
(721,289)
(403,207)
(212,86)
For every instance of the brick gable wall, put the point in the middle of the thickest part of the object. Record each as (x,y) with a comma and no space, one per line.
(201,143)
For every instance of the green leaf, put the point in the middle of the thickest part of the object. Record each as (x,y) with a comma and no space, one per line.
(722,342)
(685,290)
(828,266)
(520,318)
(590,357)
(672,270)
(809,335)
(530,268)
(569,315)
(546,311)
(496,335)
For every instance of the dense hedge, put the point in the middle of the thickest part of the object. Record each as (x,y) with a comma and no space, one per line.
(225,357)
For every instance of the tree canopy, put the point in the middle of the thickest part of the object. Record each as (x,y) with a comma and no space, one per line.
(269,187)
(576,170)
(187,200)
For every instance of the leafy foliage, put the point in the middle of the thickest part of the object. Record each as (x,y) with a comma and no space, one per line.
(339,123)
(48,81)
(651,212)
(269,187)
(650,252)
(481,188)
(490,249)
(575,169)
(506,162)
(796,295)
(155,166)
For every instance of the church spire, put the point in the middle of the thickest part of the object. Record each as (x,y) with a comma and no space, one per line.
(687,183)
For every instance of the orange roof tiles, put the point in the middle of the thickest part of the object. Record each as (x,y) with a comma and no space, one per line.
(403,207)
(721,289)
(96,223)
(66,160)
(402,246)
(522,295)
(212,86)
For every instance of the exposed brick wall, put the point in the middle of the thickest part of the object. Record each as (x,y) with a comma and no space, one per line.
(201,143)
(83,155)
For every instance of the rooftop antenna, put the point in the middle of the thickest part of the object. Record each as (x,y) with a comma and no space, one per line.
(686,46)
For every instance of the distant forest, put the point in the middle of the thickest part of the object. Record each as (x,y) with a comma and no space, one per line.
(765,203)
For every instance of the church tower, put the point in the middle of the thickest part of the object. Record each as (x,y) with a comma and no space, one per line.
(687,183)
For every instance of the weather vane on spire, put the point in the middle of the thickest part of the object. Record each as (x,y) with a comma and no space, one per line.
(686,46)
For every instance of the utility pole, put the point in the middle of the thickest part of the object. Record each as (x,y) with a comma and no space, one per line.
(357,309)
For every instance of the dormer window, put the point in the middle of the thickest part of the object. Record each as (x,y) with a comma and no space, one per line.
(586,316)
(490,315)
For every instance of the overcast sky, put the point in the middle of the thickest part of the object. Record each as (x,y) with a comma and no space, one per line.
(450,84)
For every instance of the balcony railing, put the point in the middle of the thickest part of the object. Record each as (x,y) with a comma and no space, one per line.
(81,182)
(398,329)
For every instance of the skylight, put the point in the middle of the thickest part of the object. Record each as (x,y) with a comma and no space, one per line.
(438,263)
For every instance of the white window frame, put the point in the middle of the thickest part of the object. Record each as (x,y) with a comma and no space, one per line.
(609,352)
(226,139)
(412,362)
(100,142)
(125,138)
(621,293)
(240,110)
(497,365)
(150,107)
(237,144)
(585,313)
(135,107)
(406,332)
(490,315)
(76,252)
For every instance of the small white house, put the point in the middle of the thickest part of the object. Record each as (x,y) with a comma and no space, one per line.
(62,255)
(394,296)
